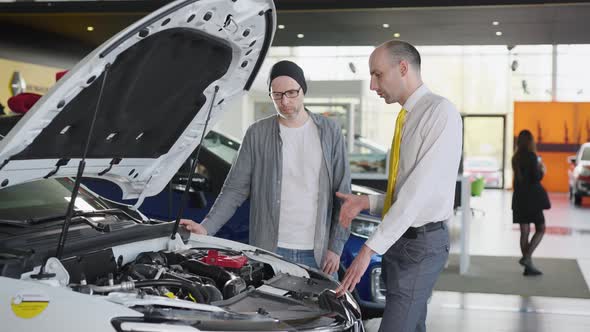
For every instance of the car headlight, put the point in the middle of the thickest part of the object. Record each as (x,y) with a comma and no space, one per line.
(377,285)
(364,226)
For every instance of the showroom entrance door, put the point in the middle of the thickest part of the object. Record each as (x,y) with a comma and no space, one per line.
(484,146)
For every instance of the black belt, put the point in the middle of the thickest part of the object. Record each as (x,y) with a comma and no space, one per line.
(412,232)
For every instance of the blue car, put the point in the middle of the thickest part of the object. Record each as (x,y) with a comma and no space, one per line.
(215,160)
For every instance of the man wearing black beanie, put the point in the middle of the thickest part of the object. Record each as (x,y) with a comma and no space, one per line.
(290,165)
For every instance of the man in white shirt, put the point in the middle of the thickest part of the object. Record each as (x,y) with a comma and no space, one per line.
(412,237)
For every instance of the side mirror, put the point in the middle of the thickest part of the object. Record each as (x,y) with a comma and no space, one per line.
(571,160)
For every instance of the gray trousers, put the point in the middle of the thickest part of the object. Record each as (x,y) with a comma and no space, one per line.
(410,269)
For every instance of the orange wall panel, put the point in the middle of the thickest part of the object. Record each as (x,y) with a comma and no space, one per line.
(559,129)
(556,165)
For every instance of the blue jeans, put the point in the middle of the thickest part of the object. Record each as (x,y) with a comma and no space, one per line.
(304,257)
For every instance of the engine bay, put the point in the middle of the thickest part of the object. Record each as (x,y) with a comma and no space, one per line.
(208,283)
(197,275)
(204,284)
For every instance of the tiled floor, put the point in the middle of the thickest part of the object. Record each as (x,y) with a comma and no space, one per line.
(567,236)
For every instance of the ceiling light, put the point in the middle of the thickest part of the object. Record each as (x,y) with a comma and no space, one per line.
(498,33)
(385,25)
(300,35)
(495,23)
(89,28)
(396,35)
(281,26)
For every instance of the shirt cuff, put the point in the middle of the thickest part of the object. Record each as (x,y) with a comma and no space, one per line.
(210,226)
(379,244)
(375,246)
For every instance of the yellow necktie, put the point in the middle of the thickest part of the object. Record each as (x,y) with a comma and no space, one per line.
(394,159)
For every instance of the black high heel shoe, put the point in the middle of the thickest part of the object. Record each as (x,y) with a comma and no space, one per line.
(531,271)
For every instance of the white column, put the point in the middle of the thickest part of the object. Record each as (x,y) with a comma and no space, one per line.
(554,74)
(465,224)
(350,132)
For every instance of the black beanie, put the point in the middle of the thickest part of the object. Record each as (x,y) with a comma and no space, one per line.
(288,68)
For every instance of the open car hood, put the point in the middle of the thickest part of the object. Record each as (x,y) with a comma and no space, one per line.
(154,84)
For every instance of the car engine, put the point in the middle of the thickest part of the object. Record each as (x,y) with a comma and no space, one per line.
(198,275)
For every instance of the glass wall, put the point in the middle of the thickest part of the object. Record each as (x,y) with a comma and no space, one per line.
(573,73)
(479,80)
(531,68)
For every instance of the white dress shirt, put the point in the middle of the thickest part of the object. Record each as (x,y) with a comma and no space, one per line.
(429,162)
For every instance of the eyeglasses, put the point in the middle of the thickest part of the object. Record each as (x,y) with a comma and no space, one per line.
(288,94)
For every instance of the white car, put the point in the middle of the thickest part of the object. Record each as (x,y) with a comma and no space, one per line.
(132,112)
(579,174)
(482,166)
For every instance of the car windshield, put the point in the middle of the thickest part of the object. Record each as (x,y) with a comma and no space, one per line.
(220,145)
(586,154)
(43,198)
(480,163)
(367,157)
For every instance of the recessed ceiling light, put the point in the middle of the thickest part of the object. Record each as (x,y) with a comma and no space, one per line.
(385,25)
(281,26)
(498,33)
(300,35)
(89,28)
(396,35)
(495,23)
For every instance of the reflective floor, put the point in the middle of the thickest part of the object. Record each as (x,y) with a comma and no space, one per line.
(492,233)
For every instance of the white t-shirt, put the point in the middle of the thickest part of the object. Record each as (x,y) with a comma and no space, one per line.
(302,159)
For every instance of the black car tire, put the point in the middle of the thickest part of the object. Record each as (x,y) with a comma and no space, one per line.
(577,199)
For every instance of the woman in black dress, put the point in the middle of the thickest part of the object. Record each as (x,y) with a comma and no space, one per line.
(529,198)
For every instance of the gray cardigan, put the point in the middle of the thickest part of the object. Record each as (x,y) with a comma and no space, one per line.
(257,172)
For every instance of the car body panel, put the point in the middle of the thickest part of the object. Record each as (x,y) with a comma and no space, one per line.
(60,308)
(579,174)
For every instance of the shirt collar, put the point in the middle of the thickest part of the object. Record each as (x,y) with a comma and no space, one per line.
(415,97)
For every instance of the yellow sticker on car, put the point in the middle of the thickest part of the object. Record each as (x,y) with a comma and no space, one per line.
(28,305)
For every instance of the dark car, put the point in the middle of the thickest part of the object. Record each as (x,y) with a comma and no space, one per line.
(579,174)
(215,160)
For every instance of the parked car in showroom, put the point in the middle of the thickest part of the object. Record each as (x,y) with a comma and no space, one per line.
(132,112)
(486,167)
(579,174)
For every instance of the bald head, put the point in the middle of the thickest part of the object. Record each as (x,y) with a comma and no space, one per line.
(400,50)
(395,71)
